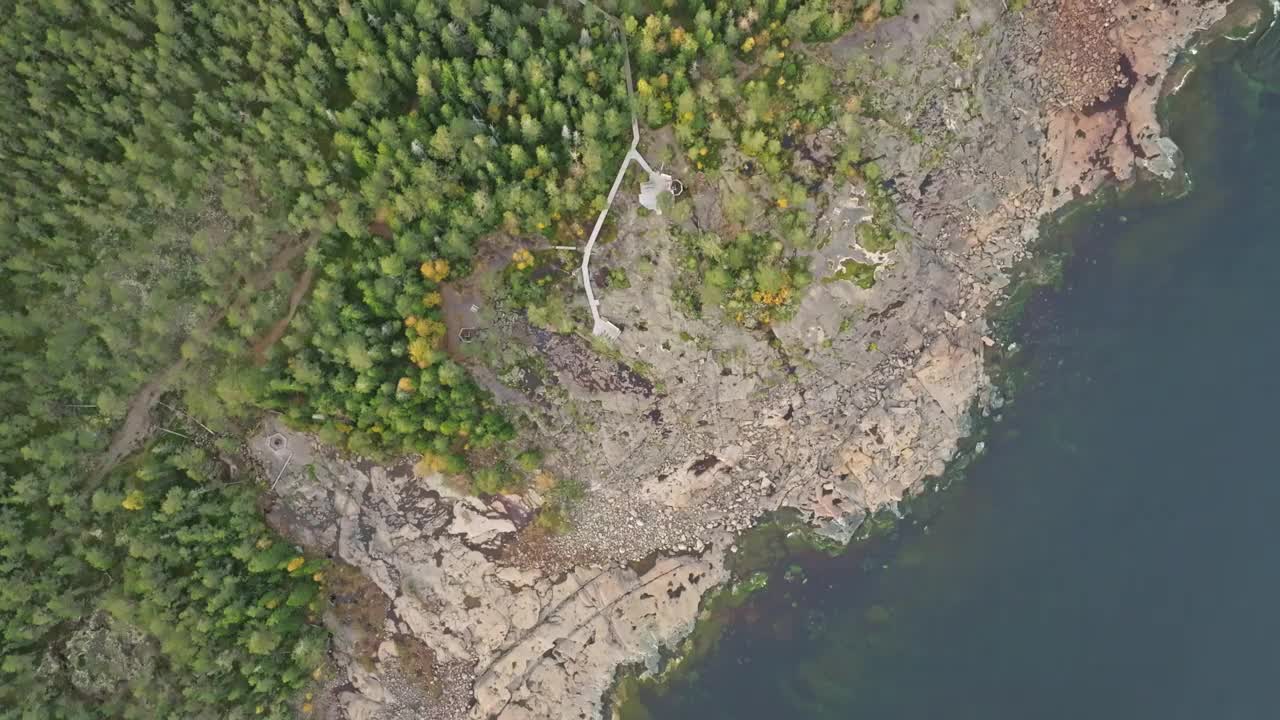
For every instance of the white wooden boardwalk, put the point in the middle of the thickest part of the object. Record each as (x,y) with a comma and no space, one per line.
(601,326)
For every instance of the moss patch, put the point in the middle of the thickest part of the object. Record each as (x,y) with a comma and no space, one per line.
(861,274)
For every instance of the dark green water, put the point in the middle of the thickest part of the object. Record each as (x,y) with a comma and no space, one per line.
(1116,551)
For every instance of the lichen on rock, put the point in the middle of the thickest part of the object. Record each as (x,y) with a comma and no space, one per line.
(692,428)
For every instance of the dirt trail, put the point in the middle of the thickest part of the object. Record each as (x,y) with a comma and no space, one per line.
(137,424)
(264,343)
(455,306)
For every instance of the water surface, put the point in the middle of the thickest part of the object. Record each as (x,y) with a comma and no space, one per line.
(1114,552)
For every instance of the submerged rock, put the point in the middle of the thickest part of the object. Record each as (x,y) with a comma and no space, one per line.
(842,529)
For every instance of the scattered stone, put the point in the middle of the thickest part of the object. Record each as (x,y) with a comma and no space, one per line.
(835,413)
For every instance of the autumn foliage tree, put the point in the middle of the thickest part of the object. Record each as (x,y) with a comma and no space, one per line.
(171,172)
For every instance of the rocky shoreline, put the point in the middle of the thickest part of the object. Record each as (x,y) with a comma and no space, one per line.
(986,120)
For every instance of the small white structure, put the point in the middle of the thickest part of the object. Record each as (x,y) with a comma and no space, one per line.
(651,190)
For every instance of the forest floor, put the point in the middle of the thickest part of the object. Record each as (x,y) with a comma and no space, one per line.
(458,297)
(138,424)
(263,344)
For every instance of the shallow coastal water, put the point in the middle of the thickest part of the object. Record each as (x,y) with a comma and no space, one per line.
(1112,554)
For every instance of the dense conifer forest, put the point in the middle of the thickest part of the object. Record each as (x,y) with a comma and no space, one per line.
(252,205)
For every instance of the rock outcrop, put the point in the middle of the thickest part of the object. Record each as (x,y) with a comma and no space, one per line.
(853,402)
(524,642)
